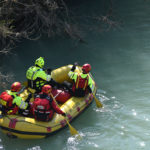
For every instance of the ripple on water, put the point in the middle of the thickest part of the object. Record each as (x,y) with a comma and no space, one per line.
(89,135)
(91,132)
(1,146)
(35,148)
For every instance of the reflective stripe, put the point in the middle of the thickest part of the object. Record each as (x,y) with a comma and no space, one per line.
(47,112)
(41,112)
(25,113)
(2,102)
(86,81)
(48,78)
(77,82)
(33,76)
(22,105)
(85,85)
(92,88)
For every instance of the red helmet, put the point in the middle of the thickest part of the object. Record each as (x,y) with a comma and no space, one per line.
(86,68)
(46,89)
(15,87)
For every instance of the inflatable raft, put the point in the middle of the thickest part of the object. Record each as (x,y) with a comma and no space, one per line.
(29,128)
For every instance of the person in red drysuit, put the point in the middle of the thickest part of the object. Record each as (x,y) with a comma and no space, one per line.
(44,106)
(11,102)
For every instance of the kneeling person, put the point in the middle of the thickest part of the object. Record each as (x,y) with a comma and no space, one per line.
(82,82)
(10,101)
(44,106)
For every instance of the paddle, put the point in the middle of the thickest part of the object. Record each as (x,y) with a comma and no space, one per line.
(98,103)
(73,131)
(1,115)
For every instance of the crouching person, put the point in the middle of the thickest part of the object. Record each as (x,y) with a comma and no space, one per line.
(10,101)
(26,112)
(44,106)
(82,82)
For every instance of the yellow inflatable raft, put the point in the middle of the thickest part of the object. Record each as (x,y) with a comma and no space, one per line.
(29,128)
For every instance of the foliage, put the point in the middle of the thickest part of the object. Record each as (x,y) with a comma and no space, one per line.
(30,19)
(5,80)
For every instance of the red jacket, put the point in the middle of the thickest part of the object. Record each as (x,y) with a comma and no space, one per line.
(44,107)
(6,101)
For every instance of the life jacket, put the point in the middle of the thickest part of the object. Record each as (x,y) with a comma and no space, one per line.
(6,101)
(33,81)
(80,86)
(42,109)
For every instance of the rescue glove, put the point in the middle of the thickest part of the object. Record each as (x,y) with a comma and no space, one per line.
(76,64)
(64,114)
(49,71)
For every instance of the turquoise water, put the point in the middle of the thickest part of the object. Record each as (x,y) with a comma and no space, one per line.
(120,60)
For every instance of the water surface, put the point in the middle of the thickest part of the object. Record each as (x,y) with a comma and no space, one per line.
(120,60)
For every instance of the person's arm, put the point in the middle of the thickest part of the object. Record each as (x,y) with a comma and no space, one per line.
(28,98)
(73,68)
(73,75)
(56,108)
(20,103)
(43,75)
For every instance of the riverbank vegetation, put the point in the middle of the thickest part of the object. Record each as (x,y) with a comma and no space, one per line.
(30,19)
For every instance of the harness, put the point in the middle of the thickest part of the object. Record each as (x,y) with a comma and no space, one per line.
(38,82)
(41,109)
(32,84)
(79,78)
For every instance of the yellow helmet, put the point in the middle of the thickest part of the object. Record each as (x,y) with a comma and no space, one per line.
(40,62)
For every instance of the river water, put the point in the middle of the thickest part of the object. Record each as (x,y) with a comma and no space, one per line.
(120,60)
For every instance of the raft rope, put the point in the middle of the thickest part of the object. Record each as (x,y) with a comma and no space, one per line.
(28,122)
(37,124)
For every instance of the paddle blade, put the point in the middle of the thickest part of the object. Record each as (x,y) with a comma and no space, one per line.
(98,103)
(73,131)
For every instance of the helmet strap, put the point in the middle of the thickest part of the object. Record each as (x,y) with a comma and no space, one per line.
(84,71)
